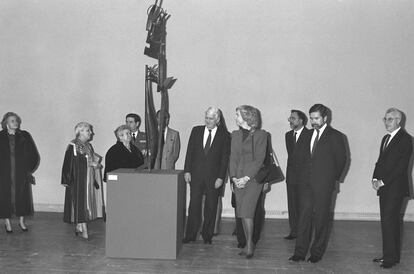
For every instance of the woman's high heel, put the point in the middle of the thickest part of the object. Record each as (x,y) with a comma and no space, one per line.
(24,229)
(7,231)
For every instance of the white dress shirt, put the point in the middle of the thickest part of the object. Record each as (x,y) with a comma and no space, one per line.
(213,134)
(392,136)
(298,132)
(321,130)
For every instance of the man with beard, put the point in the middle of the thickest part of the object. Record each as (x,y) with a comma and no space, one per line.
(295,145)
(326,155)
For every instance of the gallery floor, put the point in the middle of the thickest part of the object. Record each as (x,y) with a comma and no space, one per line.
(51,247)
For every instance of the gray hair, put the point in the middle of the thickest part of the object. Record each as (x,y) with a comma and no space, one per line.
(6,116)
(119,129)
(82,125)
(396,111)
(213,110)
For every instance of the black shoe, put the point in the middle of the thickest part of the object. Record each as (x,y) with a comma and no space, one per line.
(289,237)
(386,265)
(296,258)
(378,260)
(249,255)
(24,229)
(7,231)
(239,245)
(207,241)
(187,240)
(313,259)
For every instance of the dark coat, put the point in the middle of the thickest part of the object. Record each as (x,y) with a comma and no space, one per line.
(328,160)
(392,164)
(27,159)
(297,156)
(118,156)
(211,166)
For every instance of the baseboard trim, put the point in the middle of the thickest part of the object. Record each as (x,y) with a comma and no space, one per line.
(271,214)
(351,216)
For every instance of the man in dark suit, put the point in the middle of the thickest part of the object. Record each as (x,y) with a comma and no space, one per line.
(295,142)
(139,138)
(205,168)
(326,154)
(391,181)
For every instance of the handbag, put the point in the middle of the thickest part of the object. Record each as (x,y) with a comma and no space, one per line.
(270,172)
(30,179)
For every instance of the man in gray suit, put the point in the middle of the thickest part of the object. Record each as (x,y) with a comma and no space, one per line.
(171,148)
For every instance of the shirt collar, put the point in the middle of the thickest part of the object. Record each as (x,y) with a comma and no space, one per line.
(299,131)
(394,132)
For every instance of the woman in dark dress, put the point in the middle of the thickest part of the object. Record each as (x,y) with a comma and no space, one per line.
(18,160)
(123,154)
(248,151)
(81,175)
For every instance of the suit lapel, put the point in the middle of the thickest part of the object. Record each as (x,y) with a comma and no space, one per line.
(393,141)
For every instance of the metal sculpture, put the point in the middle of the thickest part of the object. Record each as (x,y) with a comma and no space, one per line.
(156,38)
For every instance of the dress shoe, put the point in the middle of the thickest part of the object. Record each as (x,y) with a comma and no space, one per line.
(187,240)
(289,237)
(313,259)
(24,229)
(386,265)
(7,231)
(249,255)
(378,260)
(296,258)
(207,241)
(240,245)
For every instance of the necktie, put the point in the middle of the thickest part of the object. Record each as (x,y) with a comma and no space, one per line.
(208,143)
(133,137)
(316,141)
(386,141)
(294,138)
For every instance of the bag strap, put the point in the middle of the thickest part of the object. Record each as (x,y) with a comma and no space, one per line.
(275,158)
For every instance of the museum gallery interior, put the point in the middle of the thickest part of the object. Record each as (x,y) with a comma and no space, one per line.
(179,136)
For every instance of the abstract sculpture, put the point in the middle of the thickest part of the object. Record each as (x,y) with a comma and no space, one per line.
(156,38)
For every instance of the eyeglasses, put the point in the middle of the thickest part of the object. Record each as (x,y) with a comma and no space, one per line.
(389,119)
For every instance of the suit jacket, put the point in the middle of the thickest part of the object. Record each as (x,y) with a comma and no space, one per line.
(328,160)
(208,167)
(140,141)
(296,163)
(392,164)
(171,149)
(247,157)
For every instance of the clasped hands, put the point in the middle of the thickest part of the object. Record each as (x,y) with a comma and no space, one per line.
(241,182)
(218,183)
(376,184)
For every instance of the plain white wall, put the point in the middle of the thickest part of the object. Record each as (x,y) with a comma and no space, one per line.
(62,62)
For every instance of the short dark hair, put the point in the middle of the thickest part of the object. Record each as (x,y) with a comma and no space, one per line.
(6,116)
(301,115)
(323,110)
(167,115)
(135,116)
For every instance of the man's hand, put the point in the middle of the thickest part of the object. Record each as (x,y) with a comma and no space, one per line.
(377,184)
(187,177)
(144,152)
(241,182)
(218,183)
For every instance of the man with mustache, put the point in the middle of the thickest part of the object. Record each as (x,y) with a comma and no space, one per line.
(326,154)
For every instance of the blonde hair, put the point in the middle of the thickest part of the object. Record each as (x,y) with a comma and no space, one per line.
(82,125)
(251,116)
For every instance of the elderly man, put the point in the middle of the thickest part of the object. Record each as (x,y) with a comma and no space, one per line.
(390,180)
(171,148)
(205,169)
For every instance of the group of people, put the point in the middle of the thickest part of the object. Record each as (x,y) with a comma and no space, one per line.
(317,160)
